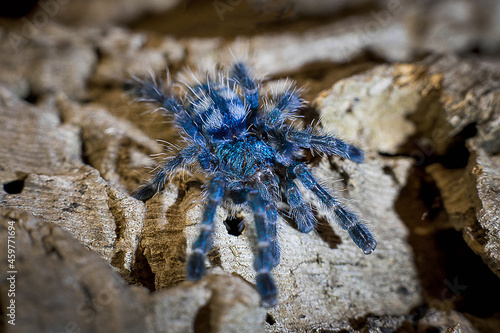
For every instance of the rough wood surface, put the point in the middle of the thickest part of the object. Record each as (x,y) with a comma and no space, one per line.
(73,146)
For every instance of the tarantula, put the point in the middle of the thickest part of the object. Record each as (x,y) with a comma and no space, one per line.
(252,155)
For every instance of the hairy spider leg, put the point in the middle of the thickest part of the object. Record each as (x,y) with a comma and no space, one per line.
(269,190)
(196,263)
(299,208)
(324,144)
(263,262)
(240,197)
(185,156)
(272,220)
(242,76)
(346,219)
(148,91)
(285,105)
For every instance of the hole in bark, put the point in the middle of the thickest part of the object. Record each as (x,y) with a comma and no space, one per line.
(141,272)
(234,225)
(457,155)
(14,187)
(360,322)
(32,98)
(270,320)
(83,152)
(468,282)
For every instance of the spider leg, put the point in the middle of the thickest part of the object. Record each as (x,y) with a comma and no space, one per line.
(347,220)
(269,191)
(196,263)
(272,218)
(240,197)
(264,262)
(242,75)
(299,208)
(158,182)
(282,108)
(150,91)
(323,143)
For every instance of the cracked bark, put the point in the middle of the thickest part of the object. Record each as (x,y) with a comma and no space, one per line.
(73,147)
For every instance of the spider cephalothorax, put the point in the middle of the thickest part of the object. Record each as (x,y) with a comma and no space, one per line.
(251,155)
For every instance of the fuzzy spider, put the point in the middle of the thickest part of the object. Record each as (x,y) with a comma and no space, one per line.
(252,155)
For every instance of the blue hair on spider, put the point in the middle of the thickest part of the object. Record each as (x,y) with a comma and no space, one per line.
(251,154)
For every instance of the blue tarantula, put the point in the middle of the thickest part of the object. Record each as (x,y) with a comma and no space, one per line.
(252,155)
